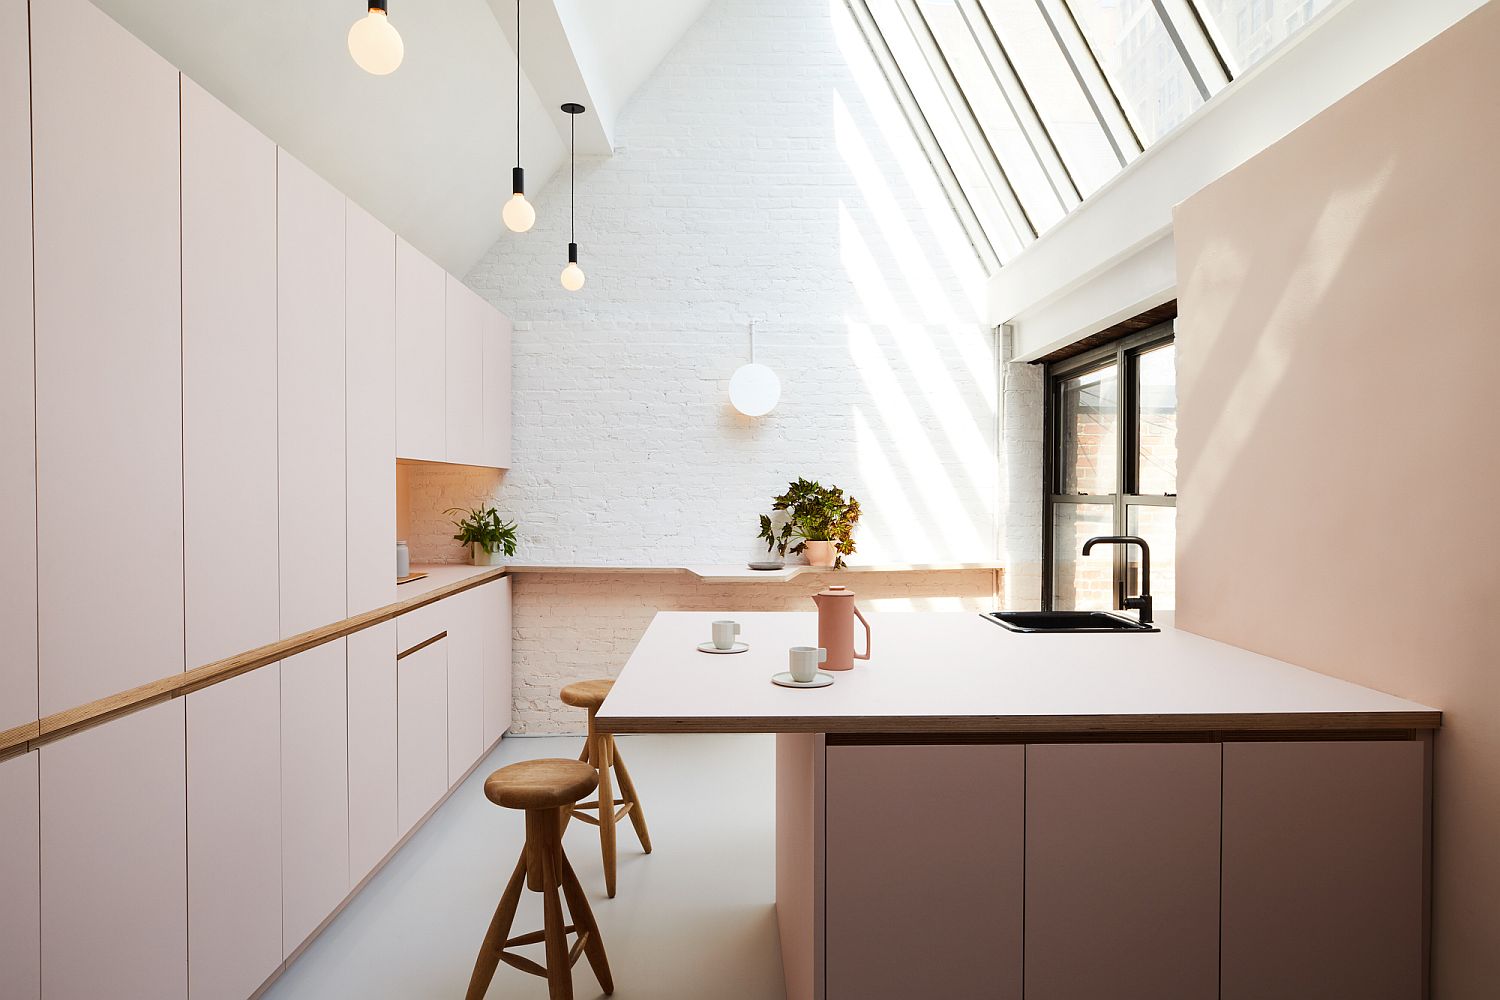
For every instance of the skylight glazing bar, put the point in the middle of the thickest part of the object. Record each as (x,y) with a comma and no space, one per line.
(1090,76)
(974,135)
(1197,50)
(1210,36)
(922,129)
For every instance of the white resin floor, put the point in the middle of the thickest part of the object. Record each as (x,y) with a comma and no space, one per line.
(694,919)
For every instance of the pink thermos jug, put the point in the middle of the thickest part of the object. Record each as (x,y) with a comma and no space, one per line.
(836,614)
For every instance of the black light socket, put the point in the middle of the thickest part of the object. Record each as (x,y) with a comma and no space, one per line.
(379,5)
(517,180)
(572,253)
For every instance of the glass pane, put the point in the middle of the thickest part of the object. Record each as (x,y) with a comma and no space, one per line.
(1246,30)
(950,135)
(1158,526)
(1156,425)
(1055,92)
(1088,432)
(985,97)
(1141,62)
(1082,583)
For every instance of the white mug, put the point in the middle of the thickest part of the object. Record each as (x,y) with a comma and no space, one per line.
(724,633)
(804,661)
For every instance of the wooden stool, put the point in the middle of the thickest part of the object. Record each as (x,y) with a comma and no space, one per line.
(544,788)
(600,751)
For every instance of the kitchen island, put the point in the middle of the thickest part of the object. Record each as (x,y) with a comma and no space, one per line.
(977,812)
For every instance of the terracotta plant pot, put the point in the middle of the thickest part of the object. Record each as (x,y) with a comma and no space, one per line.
(821,553)
(479,557)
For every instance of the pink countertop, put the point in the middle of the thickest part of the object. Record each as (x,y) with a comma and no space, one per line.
(955,672)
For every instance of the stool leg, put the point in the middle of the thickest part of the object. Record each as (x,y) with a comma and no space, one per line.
(583,919)
(601,759)
(494,940)
(559,972)
(627,792)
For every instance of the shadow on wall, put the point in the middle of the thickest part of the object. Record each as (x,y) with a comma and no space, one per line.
(765,172)
(1337,372)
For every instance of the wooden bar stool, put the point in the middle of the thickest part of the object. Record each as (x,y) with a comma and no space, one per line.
(599,750)
(544,788)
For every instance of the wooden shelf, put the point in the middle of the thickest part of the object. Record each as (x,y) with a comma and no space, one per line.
(744,574)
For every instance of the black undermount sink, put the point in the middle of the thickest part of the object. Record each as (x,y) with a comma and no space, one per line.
(1066,621)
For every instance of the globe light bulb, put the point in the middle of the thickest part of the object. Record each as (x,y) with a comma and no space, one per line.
(572,277)
(376,45)
(518,214)
(754,390)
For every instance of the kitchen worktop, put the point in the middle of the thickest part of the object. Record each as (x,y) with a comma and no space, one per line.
(441,575)
(955,672)
(744,574)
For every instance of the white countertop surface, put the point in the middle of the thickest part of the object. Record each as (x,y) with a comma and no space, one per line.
(438,575)
(744,574)
(956,672)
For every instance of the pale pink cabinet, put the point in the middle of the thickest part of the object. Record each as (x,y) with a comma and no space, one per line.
(464,403)
(17,427)
(495,621)
(924,871)
(114,860)
(311,419)
(497,404)
(371,411)
(108,356)
(372,748)
(422,679)
(229,460)
(1122,871)
(1323,869)
(421,356)
(20,880)
(462,615)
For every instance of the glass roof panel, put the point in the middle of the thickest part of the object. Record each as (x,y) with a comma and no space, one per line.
(993,111)
(1054,91)
(1144,67)
(1247,30)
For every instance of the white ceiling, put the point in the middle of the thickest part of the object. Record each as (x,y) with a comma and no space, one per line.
(428,149)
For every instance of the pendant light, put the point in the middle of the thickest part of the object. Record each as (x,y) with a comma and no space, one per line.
(754,389)
(572,275)
(518,214)
(374,44)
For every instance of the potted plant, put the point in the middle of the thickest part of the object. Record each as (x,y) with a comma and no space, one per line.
(819,520)
(485,534)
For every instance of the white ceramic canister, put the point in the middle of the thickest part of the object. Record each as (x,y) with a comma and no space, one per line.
(403,560)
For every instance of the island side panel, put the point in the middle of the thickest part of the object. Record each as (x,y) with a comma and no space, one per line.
(799,862)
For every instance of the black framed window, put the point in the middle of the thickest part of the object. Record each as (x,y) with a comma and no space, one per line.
(1111,469)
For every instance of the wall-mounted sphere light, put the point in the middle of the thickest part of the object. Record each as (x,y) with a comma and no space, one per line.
(572,275)
(373,42)
(754,389)
(518,215)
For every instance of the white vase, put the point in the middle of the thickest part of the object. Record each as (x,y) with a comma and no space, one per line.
(479,557)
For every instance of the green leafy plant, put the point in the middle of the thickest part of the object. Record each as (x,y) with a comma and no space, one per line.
(815,514)
(482,526)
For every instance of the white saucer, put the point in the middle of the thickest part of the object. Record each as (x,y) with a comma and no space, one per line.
(820,680)
(709,647)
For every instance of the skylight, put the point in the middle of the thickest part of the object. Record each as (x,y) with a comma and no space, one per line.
(1026,107)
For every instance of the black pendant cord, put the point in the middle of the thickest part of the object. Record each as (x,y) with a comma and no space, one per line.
(572,177)
(518,84)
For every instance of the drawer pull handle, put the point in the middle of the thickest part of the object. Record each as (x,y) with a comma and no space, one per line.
(421,646)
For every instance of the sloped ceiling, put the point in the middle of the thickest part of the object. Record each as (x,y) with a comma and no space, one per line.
(428,149)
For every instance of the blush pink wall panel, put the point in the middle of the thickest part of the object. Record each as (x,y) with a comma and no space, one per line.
(463,620)
(495,622)
(799,896)
(17,416)
(114,860)
(1323,870)
(372,748)
(1336,338)
(108,358)
(465,373)
(371,410)
(497,405)
(314,790)
(20,880)
(924,871)
(421,356)
(234,835)
(422,685)
(1122,871)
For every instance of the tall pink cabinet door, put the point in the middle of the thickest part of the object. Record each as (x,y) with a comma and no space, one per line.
(20,880)
(422,677)
(114,860)
(17,427)
(1323,870)
(108,354)
(310,411)
(421,356)
(1122,871)
(463,616)
(229,478)
(497,404)
(923,902)
(372,748)
(465,378)
(495,612)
